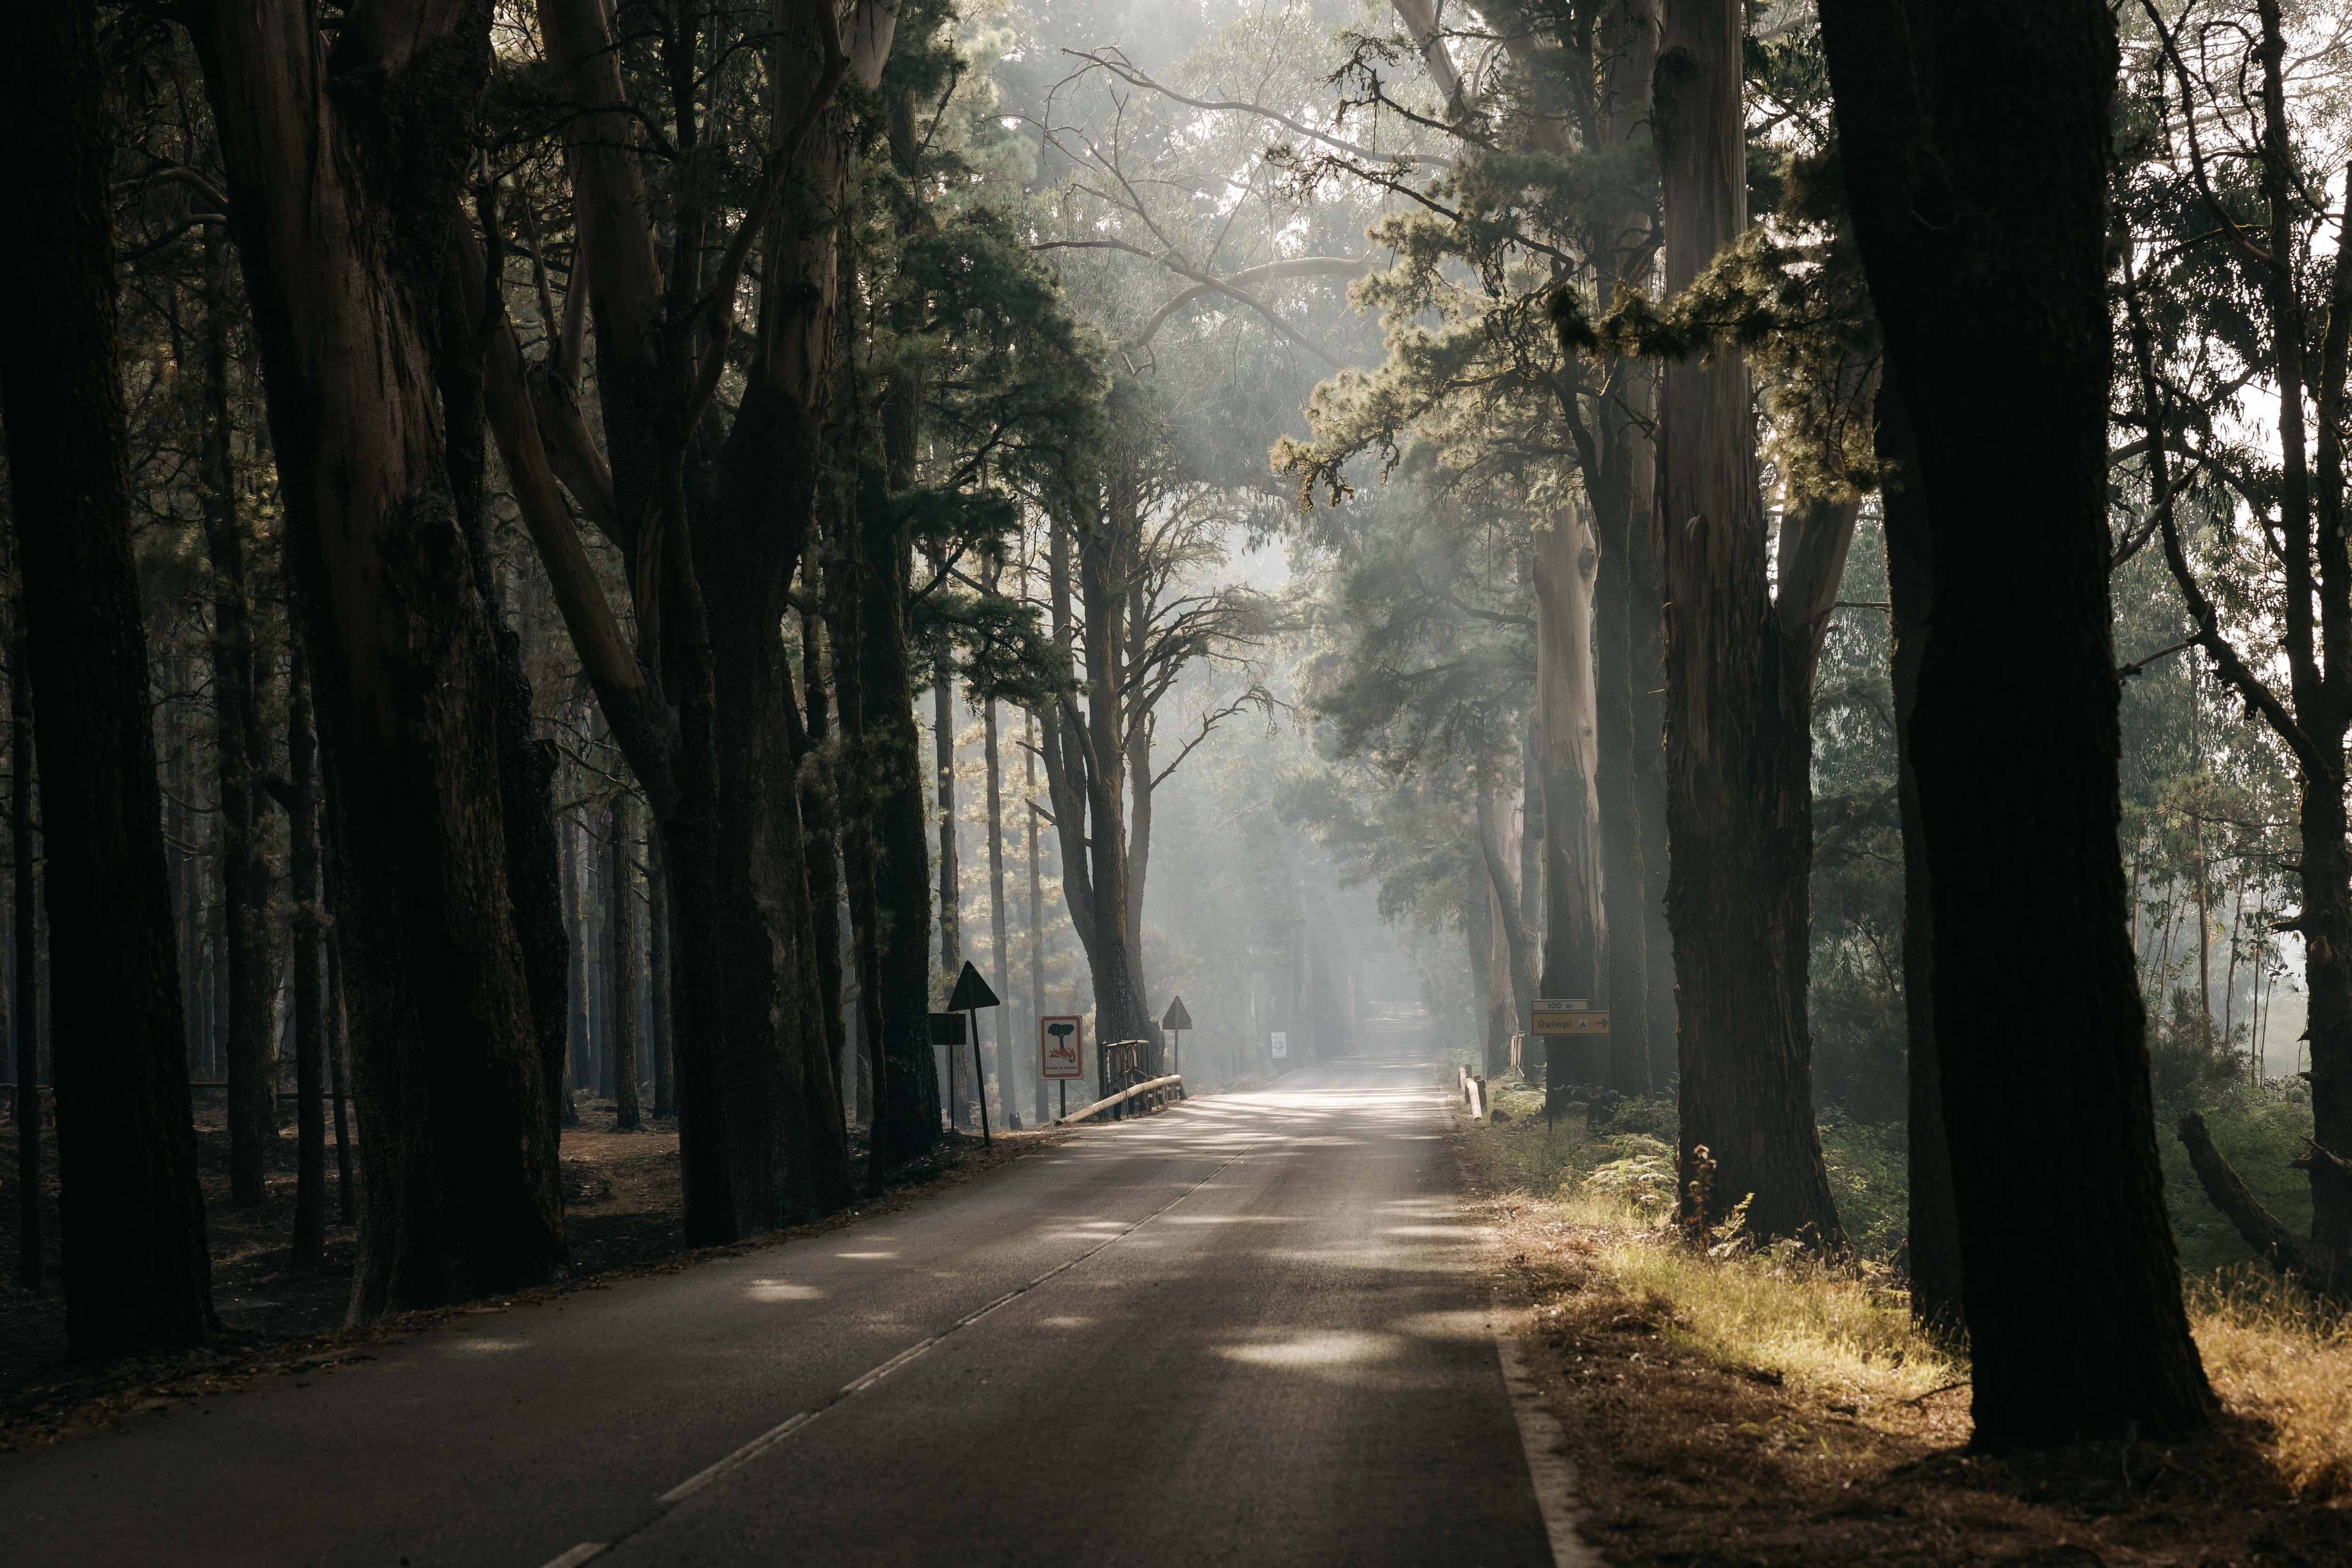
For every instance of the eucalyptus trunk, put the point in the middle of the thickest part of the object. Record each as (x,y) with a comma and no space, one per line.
(1977,176)
(131,1221)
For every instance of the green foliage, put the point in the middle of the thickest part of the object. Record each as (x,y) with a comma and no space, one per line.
(2259,1128)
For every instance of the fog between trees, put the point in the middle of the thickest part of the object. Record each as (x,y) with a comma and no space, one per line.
(567,554)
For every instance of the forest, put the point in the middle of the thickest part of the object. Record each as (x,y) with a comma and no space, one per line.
(573,564)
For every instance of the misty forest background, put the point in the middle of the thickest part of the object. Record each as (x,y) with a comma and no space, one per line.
(1199,578)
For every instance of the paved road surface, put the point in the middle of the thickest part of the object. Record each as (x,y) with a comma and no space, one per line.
(1237,1331)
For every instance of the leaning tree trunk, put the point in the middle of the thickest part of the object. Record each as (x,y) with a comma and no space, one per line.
(344,171)
(1977,173)
(138,1277)
(1738,807)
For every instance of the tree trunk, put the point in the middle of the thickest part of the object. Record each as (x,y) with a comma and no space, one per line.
(1036,931)
(25,1000)
(1738,809)
(137,1273)
(1620,479)
(527,764)
(310,1247)
(1977,173)
(575,926)
(622,965)
(347,1190)
(951,878)
(845,608)
(344,271)
(657,975)
(819,814)
(996,922)
(902,892)
(1519,942)
(243,756)
(1933,1244)
(1574,938)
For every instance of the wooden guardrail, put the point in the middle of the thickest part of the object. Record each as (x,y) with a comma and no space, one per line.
(1149,1095)
(1473,1092)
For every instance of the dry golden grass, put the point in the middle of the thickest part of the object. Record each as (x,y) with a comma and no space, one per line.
(1832,1332)
(2281,1359)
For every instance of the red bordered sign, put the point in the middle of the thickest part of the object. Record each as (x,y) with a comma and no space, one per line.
(1061,1045)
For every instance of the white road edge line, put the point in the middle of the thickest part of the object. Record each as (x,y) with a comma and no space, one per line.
(782,1430)
(1551,1470)
(576,1556)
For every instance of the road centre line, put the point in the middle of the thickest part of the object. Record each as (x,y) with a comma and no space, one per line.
(859,1384)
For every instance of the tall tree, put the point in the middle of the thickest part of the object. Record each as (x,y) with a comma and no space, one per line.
(1739,666)
(996,919)
(242,748)
(310,1025)
(710,527)
(138,1276)
(2256,243)
(344,164)
(1977,173)
(621,944)
(25,926)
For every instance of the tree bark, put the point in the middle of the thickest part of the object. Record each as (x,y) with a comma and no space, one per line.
(137,1271)
(310,1247)
(1738,807)
(1977,173)
(1933,1243)
(347,1189)
(1037,931)
(1567,760)
(950,873)
(996,919)
(622,965)
(344,171)
(819,804)
(657,976)
(241,753)
(575,930)
(24,927)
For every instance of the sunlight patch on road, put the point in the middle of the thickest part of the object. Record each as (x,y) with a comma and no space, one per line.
(865,1256)
(782,1290)
(487,1346)
(1340,1347)
(1065,1322)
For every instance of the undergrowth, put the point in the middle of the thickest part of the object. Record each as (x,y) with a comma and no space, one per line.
(1843,1330)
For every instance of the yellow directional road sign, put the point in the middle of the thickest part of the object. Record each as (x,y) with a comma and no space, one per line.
(1555,1018)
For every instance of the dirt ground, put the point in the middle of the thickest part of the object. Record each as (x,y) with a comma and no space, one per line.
(1684,1462)
(622,1212)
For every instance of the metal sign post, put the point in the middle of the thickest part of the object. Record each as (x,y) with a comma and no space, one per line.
(971,995)
(948,1030)
(1061,1053)
(1176,1023)
(1563,1018)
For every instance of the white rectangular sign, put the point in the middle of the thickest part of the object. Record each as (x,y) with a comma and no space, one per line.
(1281,1044)
(1062,1045)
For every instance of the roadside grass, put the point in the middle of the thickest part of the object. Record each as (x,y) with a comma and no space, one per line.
(1798,1398)
(2280,1358)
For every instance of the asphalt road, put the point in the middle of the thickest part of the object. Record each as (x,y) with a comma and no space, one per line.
(1242,1331)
